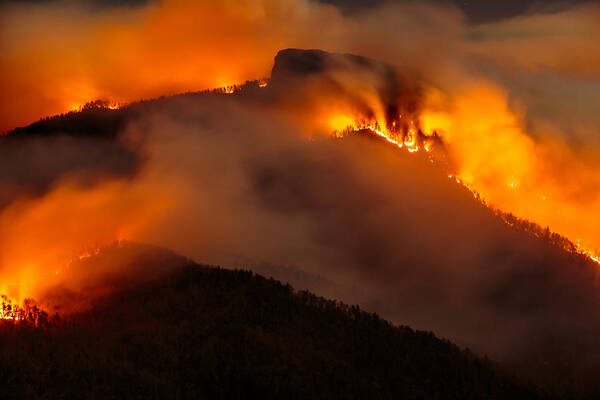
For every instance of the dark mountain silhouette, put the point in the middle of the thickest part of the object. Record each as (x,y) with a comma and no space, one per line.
(212,333)
(83,145)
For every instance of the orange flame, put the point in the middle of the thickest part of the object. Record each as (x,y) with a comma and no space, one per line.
(410,142)
(539,180)
(407,140)
(13,310)
(97,104)
(28,312)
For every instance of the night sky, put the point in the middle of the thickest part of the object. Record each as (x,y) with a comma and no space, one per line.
(476,10)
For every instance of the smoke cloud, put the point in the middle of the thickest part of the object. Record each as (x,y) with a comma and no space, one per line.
(232,180)
(536,75)
(247,180)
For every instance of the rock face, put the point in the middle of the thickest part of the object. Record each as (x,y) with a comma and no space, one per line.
(297,62)
(341,74)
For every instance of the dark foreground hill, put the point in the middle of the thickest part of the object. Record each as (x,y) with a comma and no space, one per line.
(212,333)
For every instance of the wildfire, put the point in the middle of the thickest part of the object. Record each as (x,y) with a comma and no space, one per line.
(89,253)
(29,312)
(413,140)
(233,88)
(10,308)
(97,105)
(228,89)
(592,255)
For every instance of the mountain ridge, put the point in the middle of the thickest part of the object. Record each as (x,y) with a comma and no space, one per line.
(421,248)
(206,332)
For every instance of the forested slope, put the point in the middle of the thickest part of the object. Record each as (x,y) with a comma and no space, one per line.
(212,333)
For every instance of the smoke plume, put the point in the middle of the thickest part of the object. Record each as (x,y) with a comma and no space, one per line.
(243,180)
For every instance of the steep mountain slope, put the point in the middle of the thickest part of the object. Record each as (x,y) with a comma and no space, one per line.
(383,228)
(211,333)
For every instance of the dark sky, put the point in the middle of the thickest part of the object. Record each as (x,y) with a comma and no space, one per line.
(476,10)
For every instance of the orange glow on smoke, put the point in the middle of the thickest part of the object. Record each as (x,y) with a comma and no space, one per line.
(66,57)
(495,157)
(56,57)
(40,238)
(499,162)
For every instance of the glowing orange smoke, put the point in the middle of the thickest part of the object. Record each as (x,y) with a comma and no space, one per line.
(64,57)
(13,309)
(539,180)
(484,137)
(56,57)
(39,236)
(480,156)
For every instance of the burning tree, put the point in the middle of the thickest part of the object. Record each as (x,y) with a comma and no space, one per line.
(28,313)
